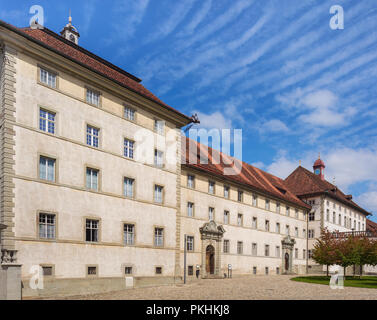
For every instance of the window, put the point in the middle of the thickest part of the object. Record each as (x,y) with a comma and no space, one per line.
(277,270)
(158,270)
(47,271)
(267,225)
(128,149)
(159,126)
(47,226)
(267,207)
(128,270)
(340,219)
(190,181)
(266,271)
(358,227)
(254,270)
(226,217)
(254,249)
(334,218)
(239,247)
(304,254)
(296,213)
(267,250)
(311,234)
(211,187)
(158,237)
(129,234)
(345,222)
(296,253)
(190,270)
(92,230)
(277,230)
(190,209)
(92,179)
(278,207)
(328,215)
(240,196)
(92,271)
(92,97)
(255,200)
(129,113)
(311,216)
(226,246)
(310,254)
(48,78)
(190,243)
(47,121)
(296,232)
(158,158)
(158,194)
(211,214)
(304,233)
(226,192)
(287,230)
(277,252)
(92,136)
(129,187)
(47,169)
(254,223)
(287,211)
(239,219)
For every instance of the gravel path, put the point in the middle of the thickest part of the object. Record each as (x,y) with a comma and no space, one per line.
(241,288)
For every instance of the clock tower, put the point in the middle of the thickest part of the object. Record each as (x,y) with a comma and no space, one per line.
(70,32)
(319,168)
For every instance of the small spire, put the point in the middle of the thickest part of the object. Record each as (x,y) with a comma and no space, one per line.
(319,155)
(299,163)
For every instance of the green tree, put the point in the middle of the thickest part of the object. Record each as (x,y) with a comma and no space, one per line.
(324,250)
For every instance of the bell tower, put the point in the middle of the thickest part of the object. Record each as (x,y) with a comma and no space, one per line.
(70,32)
(319,168)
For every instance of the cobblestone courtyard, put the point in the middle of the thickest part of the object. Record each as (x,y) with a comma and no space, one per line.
(242,288)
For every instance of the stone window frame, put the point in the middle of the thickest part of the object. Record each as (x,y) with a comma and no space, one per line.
(50,70)
(278,207)
(226,187)
(193,181)
(48,265)
(131,107)
(163,236)
(277,251)
(94,90)
(162,270)
(155,164)
(254,245)
(255,270)
(240,196)
(128,265)
(267,204)
(193,209)
(56,225)
(123,223)
(52,157)
(134,188)
(163,194)
(87,275)
(278,228)
(188,270)
(97,127)
(193,242)
(226,214)
(99,236)
(227,247)
(214,186)
(267,225)
(240,247)
(213,213)
(254,200)
(256,223)
(57,117)
(124,138)
(267,250)
(99,184)
(238,216)
(155,120)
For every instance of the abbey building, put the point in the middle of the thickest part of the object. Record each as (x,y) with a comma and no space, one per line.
(76,202)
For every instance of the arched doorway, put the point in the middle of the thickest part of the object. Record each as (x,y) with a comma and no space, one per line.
(210,260)
(286,258)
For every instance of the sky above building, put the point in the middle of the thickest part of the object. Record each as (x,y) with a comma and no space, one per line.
(273,68)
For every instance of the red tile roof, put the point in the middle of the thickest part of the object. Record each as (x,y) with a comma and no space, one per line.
(249,176)
(70,50)
(371,226)
(303,183)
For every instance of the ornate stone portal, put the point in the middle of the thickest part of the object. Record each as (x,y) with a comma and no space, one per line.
(211,236)
(287,244)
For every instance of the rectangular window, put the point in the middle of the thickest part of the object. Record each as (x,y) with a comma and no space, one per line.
(47,121)
(267,206)
(267,225)
(278,207)
(226,245)
(334,218)
(47,169)
(254,223)
(129,187)
(190,243)
(92,227)
(310,254)
(240,196)
(277,270)
(304,233)
(159,126)
(128,270)
(304,254)
(211,214)
(239,247)
(255,200)
(92,271)
(158,270)
(129,234)
(158,158)
(239,220)
(266,271)
(296,213)
(296,253)
(48,78)
(267,250)
(211,187)
(190,270)
(190,181)
(340,219)
(226,217)
(287,230)
(158,194)
(328,215)
(92,97)
(226,192)
(287,211)
(190,209)
(254,249)
(311,234)
(92,179)
(47,271)
(296,232)
(92,136)
(277,230)
(129,147)
(158,237)
(311,216)
(129,113)
(47,226)
(277,252)
(254,270)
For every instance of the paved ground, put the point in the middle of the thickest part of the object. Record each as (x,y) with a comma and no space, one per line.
(243,288)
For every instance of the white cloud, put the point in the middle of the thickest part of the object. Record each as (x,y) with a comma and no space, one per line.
(214,120)
(368,200)
(274,126)
(198,18)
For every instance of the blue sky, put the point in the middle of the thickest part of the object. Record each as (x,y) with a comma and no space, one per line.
(273,68)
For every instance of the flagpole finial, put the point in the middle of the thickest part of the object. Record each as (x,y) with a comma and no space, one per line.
(70,16)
